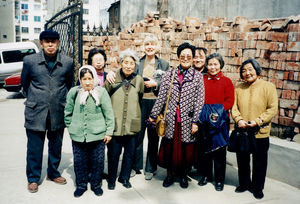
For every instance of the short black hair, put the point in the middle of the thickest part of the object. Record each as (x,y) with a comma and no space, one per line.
(84,71)
(201,48)
(218,57)
(96,51)
(185,45)
(255,65)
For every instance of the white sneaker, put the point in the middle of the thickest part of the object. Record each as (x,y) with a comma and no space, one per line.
(148,176)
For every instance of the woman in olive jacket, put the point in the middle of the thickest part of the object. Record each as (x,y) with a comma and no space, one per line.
(126,94)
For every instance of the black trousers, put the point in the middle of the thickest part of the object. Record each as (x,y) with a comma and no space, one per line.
(153,140)
(259,166)
(84,153)
(218,159)
(114,152)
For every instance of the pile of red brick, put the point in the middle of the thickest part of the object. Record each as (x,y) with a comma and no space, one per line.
(274,43)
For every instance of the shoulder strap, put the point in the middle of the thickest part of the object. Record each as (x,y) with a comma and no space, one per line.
(76,93)
(169,94)
(117,87)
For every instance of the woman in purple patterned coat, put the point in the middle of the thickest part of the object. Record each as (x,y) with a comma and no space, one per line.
(186,101)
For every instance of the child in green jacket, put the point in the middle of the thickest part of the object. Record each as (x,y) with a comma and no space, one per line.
(89,118)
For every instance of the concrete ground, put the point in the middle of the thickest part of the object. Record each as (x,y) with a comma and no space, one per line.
(13,185)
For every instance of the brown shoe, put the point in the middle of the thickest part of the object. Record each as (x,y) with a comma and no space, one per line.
(59,180)
(32,187)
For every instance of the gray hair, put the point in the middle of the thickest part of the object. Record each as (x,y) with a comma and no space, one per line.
(129,53)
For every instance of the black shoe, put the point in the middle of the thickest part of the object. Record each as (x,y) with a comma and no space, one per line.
(219,186)
(125,183)
(168,181)
(111,185)
(241,189)
(138,172)
(203,181)
(98,191)
(258,194)
(79,192)
(184,182)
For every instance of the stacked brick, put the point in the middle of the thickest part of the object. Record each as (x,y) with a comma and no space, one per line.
(275,44)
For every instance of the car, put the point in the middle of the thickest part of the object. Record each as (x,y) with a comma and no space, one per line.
(11,57)
(13,83)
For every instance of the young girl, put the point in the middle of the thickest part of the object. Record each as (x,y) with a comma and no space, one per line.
(89,118)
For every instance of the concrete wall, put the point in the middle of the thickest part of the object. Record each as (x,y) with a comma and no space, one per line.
(135,10)
(7,18)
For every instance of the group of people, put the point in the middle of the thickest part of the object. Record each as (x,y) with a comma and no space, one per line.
(116,108)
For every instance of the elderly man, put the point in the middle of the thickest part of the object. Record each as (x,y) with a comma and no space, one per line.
(46,78)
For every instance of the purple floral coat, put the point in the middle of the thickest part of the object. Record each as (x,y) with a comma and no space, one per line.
(191,102)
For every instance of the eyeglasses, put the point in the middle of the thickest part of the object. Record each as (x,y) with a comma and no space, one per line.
(183,57)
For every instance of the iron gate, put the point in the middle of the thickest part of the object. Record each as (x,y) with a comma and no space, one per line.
(68,23)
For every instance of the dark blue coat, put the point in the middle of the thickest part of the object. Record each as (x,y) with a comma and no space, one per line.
(46,90)
(213,119)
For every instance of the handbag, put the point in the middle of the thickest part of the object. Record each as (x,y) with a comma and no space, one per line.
(242,140)
(161,124)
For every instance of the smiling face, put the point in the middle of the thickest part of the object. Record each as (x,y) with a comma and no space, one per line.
(199,59)
(98,62)
(186,58)
(150,48)
(213,66)
(249,73)
(50,46)
(87,81)
(128,66)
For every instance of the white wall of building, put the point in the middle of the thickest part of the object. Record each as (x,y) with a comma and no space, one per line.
(7,16)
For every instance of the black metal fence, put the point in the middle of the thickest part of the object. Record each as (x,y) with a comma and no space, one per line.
(100,31)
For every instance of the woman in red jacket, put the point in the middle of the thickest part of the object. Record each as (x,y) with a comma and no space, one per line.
(218,90)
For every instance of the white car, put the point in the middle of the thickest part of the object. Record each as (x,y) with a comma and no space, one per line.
(11,57)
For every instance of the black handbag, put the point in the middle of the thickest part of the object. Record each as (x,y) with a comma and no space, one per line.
(242,140)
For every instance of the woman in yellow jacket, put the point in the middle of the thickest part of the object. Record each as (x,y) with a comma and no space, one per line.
(256,103)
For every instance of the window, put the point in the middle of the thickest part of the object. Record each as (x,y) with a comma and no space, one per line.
(116,10)
(37,30)
(17,5)
(24,18)
(4,36)
(16,55)
(24,6)
(85,22)
(37,18)
(25,29)
(37,7)
(85,11)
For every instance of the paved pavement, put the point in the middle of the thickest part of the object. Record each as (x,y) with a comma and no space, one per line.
(13,185)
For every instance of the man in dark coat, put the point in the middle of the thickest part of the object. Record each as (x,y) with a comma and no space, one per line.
(46,78)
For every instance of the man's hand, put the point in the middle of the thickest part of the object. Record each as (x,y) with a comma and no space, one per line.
(111,77)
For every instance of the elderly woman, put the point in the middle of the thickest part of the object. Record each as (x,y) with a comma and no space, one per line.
(255,105)
(186,101)
(126,94)
(151,68)
(218,90)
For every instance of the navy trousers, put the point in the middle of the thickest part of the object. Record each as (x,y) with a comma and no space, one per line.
(259,167)
(35,147)
(84,153)
(153,140)
(114,152)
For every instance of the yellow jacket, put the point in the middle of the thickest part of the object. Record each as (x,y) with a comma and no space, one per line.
(258,102)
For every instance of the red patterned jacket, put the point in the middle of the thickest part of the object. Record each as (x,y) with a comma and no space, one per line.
(191,102)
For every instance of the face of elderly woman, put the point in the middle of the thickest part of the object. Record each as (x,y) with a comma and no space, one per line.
(98,62)
(213,66)
(128,66)
(199,59)
(87,81)
(249,73)
(186,58)
(150,48)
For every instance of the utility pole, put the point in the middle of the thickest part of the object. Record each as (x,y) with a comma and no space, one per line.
(162,7)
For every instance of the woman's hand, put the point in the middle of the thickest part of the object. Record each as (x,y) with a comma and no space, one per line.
(151,120)
(242,124)
(194,128)
(107,139)
(150,83)
(111,77)
(251,123)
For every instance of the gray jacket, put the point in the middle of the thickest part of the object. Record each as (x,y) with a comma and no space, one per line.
(46,90)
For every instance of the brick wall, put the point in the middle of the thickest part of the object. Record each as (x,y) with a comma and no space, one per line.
(275,44)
